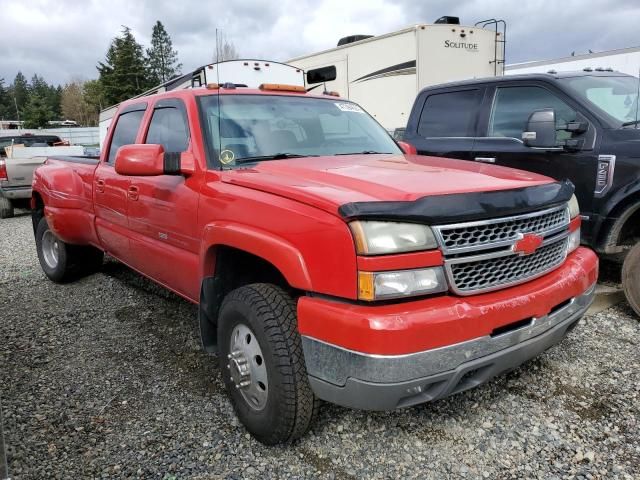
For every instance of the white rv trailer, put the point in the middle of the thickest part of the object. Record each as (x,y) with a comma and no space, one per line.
(246,72)
(623,60)
(385,73)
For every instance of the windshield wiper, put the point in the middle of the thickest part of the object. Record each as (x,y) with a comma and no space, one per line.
(275,156)
(366,152)
(632,122)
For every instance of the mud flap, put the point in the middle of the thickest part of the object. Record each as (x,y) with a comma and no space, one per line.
(208,313)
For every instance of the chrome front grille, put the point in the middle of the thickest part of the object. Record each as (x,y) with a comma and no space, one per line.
(496,232)
(469,277)
(479,256)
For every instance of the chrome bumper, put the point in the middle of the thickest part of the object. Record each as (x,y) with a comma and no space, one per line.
(385,382)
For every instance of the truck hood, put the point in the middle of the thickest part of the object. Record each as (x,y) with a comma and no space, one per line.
(332,181)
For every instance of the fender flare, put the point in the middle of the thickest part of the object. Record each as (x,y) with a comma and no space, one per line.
(275,250)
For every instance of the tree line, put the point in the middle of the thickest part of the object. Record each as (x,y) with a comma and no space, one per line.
(127,70)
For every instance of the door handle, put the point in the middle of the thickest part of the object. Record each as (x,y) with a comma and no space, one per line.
(486,159)
(133,193)
(100,186)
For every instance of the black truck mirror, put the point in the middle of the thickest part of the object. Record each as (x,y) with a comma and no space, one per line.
(541,129)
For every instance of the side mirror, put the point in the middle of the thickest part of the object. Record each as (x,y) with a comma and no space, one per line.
(142,160)
(322,74)
(541,129)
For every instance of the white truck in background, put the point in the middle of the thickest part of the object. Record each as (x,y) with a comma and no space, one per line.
(245,73)
(20,155)
(385,73)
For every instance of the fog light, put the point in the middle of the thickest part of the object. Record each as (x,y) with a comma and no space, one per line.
(399,284)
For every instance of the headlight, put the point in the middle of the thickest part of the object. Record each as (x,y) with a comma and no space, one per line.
(376,238)
(402,283)
(574,207)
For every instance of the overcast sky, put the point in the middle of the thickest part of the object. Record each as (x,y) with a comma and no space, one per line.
(63,39)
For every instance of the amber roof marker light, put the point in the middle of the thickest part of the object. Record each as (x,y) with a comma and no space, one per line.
(279,87)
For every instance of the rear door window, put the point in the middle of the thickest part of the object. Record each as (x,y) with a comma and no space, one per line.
(450,114)
(125,133)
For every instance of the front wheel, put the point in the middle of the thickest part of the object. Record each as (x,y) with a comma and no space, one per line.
(631,278)
(60,261)
(262,363)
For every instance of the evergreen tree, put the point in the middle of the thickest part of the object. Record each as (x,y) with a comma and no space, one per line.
(18,96)
(124,72)
(94,97)
(47,94)
(36,113)
(163,59)
(54,99)
(5,102)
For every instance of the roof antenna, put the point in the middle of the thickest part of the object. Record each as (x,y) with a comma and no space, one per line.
(218,95)
(637,99)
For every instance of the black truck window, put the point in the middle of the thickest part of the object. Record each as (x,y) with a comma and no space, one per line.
(449,114)
(125,133)
(168,128)
(513,105)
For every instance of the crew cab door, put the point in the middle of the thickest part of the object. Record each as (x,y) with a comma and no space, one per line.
(163,209)
(110,188)
(443,123)
(504,119)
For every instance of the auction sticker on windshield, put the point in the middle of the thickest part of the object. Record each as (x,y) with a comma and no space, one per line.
(349,107)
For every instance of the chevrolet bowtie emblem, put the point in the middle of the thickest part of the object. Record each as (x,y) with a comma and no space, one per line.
(527,243)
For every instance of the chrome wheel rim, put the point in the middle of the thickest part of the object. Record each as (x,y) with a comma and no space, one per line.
(50,249)
(246,367)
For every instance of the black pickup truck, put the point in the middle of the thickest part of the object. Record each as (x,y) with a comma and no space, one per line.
(583,126)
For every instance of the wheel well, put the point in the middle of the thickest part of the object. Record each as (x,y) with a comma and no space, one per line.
(624,229)
(237,268)
(233,269)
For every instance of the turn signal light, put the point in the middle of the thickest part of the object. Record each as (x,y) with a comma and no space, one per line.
(282,87)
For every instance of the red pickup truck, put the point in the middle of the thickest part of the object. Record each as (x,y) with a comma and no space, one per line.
(327,263)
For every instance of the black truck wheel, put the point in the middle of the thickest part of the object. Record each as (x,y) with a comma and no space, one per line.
(631,278)
(6,207)
(60,261)
(262,363)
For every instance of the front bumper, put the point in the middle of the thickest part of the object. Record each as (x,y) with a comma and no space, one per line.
(385,382)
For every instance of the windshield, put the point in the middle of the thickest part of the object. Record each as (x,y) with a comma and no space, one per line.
(615,96)
(251,128)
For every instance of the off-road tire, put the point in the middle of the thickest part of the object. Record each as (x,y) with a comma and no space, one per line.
(291,406)
(73,261)
(631,278)
(6,208)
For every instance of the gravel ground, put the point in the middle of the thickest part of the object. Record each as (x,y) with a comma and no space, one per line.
(105,378)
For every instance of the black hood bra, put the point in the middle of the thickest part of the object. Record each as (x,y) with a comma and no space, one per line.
(462,207)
